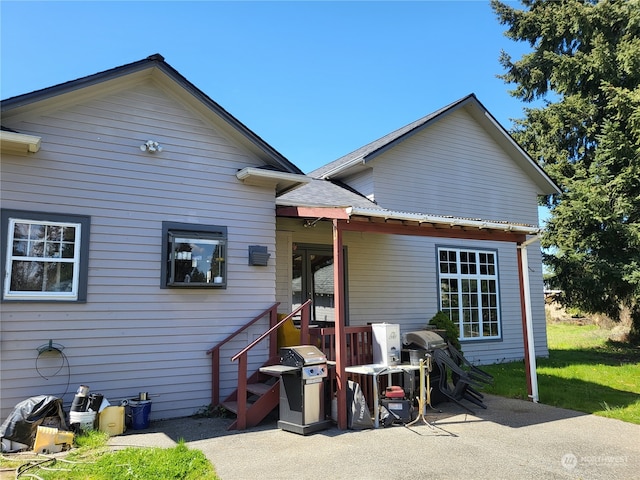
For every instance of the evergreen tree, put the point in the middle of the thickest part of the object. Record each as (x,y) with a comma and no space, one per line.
(585,68)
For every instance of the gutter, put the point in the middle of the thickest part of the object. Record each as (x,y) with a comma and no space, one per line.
(359,160)
(441,220)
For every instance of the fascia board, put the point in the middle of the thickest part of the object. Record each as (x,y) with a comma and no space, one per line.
(19,142)
(282,181)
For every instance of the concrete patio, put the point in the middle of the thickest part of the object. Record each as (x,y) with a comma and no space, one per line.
(511,439)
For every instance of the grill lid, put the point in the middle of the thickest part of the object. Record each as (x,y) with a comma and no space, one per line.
(301,355)
(425,339)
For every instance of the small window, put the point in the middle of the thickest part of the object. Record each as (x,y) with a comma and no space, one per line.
(195,256)
(46,256)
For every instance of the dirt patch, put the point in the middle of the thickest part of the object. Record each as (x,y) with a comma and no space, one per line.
(618,331)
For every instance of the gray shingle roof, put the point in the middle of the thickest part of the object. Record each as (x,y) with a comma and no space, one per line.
(382,142)
(324,193)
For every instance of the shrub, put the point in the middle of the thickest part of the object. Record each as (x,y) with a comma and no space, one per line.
(442,322)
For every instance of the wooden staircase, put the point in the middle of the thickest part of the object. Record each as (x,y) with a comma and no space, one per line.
(257,394)
(262,396)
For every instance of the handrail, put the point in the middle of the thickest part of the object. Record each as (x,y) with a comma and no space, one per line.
(303,323)
(244,327)
(215,353)
(241,391)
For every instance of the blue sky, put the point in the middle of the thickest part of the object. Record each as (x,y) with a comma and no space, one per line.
(315,80)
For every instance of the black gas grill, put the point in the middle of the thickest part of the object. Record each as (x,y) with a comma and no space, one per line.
(302,397)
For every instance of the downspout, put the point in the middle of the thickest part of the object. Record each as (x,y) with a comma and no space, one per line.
(530,353)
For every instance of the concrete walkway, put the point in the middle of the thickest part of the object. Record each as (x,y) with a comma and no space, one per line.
(511,439)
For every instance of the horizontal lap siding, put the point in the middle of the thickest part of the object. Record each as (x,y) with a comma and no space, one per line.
(394,279)
(131,335)
(363,183)
(391,279)
(454,168)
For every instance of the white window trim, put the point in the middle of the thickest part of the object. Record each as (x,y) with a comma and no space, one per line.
(459,276)
(68,296)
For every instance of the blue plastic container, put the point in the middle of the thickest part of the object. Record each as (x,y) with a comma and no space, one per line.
(140,411)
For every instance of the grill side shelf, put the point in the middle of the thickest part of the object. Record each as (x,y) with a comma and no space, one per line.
(278,370)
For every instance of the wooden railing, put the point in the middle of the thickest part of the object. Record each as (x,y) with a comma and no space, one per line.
(242,355)
(215,351)
(359,344)
(359,352)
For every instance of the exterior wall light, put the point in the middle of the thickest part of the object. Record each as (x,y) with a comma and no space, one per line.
(151,146)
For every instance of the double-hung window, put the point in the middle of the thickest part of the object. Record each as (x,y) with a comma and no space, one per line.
(45,256)
(469,291)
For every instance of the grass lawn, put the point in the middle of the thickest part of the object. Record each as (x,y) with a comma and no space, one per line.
(93,460)
(585,372)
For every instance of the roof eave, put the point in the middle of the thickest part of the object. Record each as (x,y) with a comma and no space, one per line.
(445,221)
(149,68)
(344,169)
(347,213)
(281,181)
(19,142)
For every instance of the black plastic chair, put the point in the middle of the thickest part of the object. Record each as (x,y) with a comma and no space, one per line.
(472,370)
(455,383)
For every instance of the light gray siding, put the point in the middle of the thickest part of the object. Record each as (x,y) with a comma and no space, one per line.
(394,279)
(363,183)
(131,335)
(284,267)
(454,168)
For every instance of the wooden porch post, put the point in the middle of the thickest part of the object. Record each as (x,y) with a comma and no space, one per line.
(527,319)
(523,309)
(341,347)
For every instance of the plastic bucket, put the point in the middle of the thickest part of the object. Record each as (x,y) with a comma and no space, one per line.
(140,411)
(85,419)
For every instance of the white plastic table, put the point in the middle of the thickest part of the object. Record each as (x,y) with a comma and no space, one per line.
(375,370)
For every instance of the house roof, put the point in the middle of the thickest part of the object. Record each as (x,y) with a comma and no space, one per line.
(325,193)
(356,160)
(324,199)
(327,197)
(155,67)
